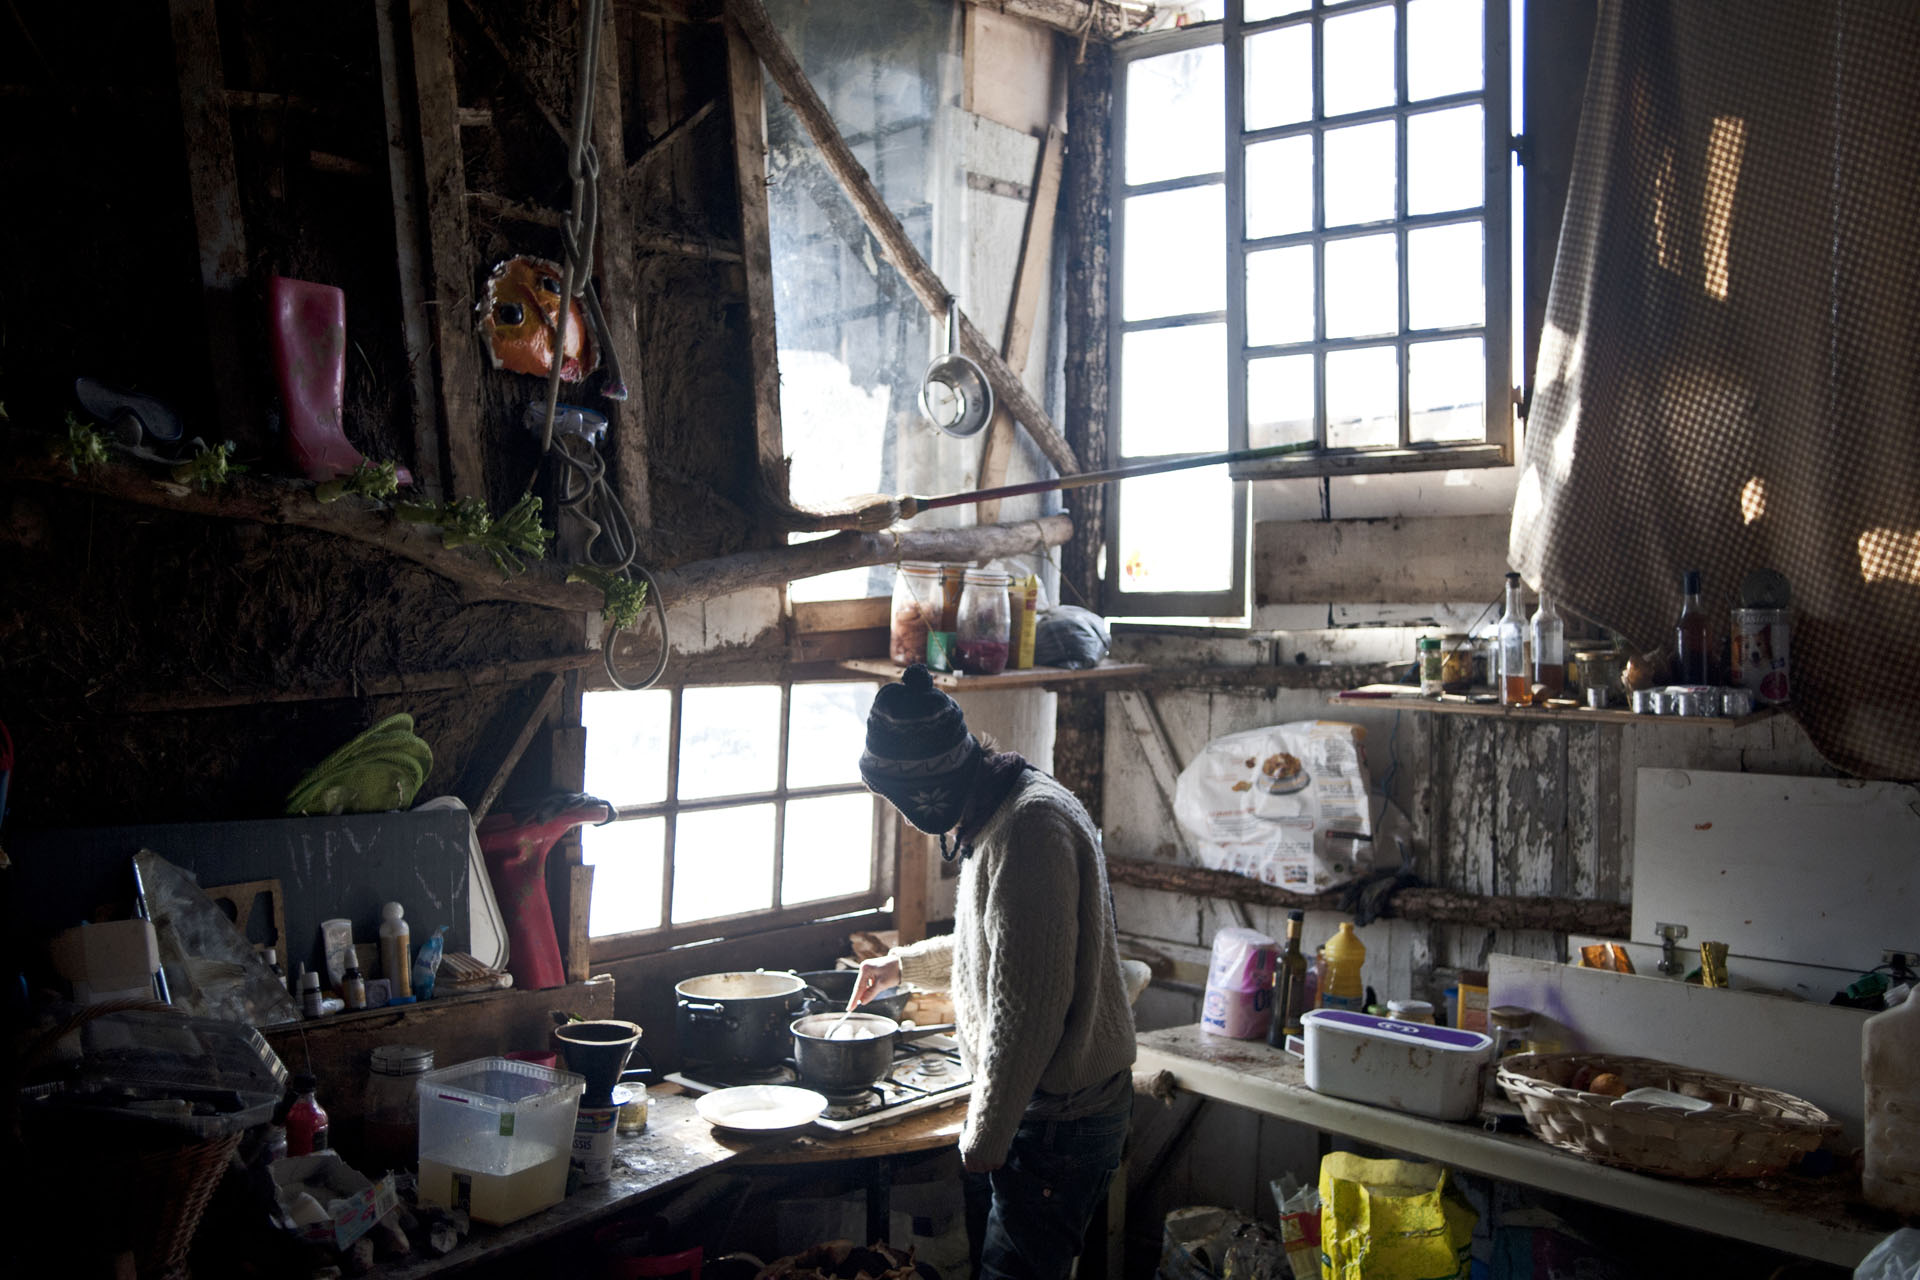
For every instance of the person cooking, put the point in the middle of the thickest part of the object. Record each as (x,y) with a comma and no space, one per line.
(1040,1001)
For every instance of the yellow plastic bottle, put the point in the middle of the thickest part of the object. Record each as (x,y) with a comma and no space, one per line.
(1345,956)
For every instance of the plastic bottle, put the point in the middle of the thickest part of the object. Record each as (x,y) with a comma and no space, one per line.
(426,965)
(1890,1067)
(396,964)
(1346,954)
(306,1119)
(1510,649)
(310,1003)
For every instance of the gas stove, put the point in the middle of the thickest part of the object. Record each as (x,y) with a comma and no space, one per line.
(927,1074)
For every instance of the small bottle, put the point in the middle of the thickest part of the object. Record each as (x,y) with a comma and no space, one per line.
(1692,664)
(1432,666)
(396,965)
(1289,985)
(1510,645)
(310,993)
(271,957)
(354,988)
(306,1118)
(1346,954)
(426,964)
(1549,636)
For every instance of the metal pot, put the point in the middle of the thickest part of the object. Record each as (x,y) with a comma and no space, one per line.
(736,1019)
(828,991)
(839,1067)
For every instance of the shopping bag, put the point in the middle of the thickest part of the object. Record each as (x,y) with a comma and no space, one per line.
(1391,1220)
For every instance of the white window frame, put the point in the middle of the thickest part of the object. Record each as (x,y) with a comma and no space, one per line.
(667,935)
(1496,448)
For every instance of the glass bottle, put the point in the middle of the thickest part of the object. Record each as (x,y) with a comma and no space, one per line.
(1510,649)
(392,1106)
(1289,985)
(1432,666)
(1549,636)
(981,628)
(917,601)
(1691,663)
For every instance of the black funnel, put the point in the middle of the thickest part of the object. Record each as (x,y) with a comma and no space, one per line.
(599,1051)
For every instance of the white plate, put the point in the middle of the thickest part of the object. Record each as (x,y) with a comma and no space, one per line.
(760,1108)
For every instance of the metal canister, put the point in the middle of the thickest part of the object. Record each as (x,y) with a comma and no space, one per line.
(1646,702)
(1695,700)
(1760,642)
(1736,702)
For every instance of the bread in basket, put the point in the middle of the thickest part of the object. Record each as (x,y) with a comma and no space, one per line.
(1748,1132)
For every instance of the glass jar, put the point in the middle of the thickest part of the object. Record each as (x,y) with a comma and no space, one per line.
(917,601)
(1432,663)
(1420,1011)
(392,1108)
(981,628)
(1511,1028)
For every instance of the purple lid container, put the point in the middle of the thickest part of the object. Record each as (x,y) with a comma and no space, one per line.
(1447,1038)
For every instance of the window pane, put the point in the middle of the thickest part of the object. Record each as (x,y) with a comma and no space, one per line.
(1173,390)
(1176,253)
(1363,286)
(1279,73)
(1445,41)
(1280,296)
(829,729)
(1279,401)
(1363,398)
(1447,390)
(1444,277)
(1280,187)
(729,741)
(1361,178)
(1261,10)
(1359,61)
(829,848)
(1176,123)
(1176,531)
(625,857)
(1445,151)
(627,745)
(723,862)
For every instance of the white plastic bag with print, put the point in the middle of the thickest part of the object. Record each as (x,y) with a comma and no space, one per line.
(1286,805)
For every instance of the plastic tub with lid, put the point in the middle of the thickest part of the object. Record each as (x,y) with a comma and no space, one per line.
(495,1136)
(1409,1066)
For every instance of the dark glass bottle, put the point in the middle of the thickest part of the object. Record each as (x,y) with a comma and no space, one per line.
(1692,660)
(1289,986)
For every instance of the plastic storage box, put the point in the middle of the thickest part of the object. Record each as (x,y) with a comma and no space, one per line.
(495,1135)
(1409,1066)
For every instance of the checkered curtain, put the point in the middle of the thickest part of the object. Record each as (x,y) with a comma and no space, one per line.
(1730,372)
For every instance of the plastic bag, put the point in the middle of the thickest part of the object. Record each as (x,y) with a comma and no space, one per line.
(1286,805)
(1299,1225)
(1071,637)
(1391,1220)
(1239,999)
(1895,1258)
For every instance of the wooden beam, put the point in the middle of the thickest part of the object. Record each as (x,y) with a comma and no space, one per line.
(1162,764)
(545,688)
(666,141)
(756,250)
(1088,196)
(406,682)
(410,246)
(1029,282)
(910,883)
(895,245)
(219,223)
(1404,560)
(1431,906)
(628,434)
(1096,19)
(450,257)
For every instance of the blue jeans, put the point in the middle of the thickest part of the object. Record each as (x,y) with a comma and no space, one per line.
(1044,1195)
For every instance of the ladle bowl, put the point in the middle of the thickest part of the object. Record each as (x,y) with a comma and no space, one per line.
(955,394)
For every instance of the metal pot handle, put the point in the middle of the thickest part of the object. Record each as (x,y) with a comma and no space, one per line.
(914,1033)
(709,1013)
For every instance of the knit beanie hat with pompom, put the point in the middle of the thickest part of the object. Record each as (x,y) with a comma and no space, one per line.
(919,754)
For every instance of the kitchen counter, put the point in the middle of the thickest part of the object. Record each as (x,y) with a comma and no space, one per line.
(1819,1218)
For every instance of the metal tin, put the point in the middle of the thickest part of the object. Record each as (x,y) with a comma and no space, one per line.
(1646,702)
(1736,702)
(1760,643)
(1696,700)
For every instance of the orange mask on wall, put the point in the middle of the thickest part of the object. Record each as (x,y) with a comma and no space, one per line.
(519,313)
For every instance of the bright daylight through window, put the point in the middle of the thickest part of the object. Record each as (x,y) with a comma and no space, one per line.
(1310,253)
(732,801)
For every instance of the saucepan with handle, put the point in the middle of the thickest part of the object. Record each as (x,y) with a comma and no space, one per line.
(844,1053)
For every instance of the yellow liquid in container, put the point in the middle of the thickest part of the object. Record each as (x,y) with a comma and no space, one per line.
(1345,956)
(536,1180)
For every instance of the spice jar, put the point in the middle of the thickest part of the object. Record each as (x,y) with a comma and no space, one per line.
(392,1107)
(1420,1011)
(917,602)
(1432,662)
(981,628)
(1511,1028)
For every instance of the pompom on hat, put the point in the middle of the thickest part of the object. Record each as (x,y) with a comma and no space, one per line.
(919,754)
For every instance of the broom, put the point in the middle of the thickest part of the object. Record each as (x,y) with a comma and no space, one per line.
(872,512)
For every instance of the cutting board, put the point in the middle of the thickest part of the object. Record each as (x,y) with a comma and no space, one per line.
(1816,871)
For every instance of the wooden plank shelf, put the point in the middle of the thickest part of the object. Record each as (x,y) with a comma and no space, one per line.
(1405,697)
(1025,678)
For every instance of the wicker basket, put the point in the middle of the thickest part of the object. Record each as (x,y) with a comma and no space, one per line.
(1750,1131)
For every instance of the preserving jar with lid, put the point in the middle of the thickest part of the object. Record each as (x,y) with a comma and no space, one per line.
(981,628)
(1420,1011)
(391,1109)
(1511,1028)
(918,598)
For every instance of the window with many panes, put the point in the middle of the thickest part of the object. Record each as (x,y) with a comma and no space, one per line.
(738,808)
(1310,254)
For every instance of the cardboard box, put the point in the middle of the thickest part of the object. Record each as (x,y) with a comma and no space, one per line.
(111,961)
(351,1202)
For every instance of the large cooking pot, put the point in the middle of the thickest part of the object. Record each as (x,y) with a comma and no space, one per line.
(840,1058)
(736,1019)
(828,991)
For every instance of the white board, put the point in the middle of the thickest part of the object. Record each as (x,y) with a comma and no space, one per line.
(1811,870)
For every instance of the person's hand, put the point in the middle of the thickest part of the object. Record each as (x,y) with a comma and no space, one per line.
(876,974)
(978,1164)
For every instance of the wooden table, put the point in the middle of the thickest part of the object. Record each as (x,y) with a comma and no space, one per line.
(1810,1217)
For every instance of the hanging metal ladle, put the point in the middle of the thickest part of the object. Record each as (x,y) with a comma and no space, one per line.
(955,394)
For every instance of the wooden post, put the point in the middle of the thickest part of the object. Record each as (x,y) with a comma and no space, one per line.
(756,252)
(751,17)
(449,252)
(1089,195)
(619,285)
(910,881)
(545,688)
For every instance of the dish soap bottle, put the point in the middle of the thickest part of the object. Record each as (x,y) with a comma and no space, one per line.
(1890,1066)
(396,962)
(1345,956)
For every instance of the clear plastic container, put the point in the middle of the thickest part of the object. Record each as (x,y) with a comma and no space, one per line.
(1891,1070)
(918,598)
(981,627)
(495,1135)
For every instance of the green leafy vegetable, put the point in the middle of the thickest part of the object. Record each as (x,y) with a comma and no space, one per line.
(81,448)
(208,468)
(369,480)
(465,522)
(624,598)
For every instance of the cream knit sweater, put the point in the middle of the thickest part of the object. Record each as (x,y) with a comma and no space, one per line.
(1032,964)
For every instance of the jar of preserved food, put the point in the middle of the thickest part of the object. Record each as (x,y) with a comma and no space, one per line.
(1432,665)
(392,1107)
(981,628)
(917,601)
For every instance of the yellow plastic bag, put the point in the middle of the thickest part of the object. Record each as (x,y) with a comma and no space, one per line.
(1391,1220)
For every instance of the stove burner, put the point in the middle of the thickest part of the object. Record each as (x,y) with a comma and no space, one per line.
(727,1076)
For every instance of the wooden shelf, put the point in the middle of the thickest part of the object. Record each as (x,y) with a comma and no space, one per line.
(1403,697)
(1029,677)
